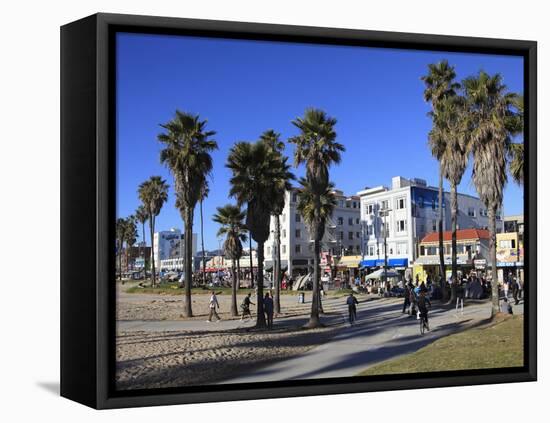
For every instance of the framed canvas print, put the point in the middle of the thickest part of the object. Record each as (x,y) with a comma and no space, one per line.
(257,211)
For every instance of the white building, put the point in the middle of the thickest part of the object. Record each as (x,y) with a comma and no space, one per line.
(413,212)
(342,234)
(169,249)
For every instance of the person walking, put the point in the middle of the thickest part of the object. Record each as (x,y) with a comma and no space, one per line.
(412,300)
(268,310)
(515,290)
(506,288)
(460,294)
(407,300)
(213,304)
(352,302)
(423,303)
(245,306)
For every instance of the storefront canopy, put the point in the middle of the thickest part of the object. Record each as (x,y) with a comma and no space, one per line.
(379,274)
(351,262)
(392,262)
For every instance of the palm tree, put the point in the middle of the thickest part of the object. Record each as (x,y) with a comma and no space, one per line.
(187,154)
(451,129)
(153,193)
(258,175)
(142,216)
(439,84)
(273,140)
(494,122)
(205,190)
(516,149)
(315,210)
(120,236)
(250,258)
(130,236)
(231,219)
(316,147)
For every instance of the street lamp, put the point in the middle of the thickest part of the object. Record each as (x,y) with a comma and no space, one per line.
(384,213)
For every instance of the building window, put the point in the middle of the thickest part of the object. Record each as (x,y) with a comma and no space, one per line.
(294,197)
(297,217)
(384,205)
(341,235)
(422,250)
(421,202)
(350,221)
(355,204)
(507,243)
(283,249)
(284,233)
(400,203)
(370,208)
(434,225)
(341,203)
(471,212)
(298,248)
(371,251)
(358,235)
(350,235)
(298,233)
(357,221)
(401,225)
(340,220)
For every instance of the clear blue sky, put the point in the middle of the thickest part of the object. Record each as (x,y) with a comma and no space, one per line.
(245,87)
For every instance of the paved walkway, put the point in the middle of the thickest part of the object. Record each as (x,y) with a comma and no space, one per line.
(380,333)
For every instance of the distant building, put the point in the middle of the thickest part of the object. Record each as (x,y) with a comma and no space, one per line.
(342,234)
(472,247)
(510,254)
(413,213)
(169,249)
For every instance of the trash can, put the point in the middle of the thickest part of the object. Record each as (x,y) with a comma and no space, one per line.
(301,298)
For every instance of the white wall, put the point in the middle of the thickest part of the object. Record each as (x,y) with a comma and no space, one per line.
(30,88)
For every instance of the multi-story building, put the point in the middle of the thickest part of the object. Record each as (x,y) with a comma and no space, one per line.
(342,234)
(412,212)
(472,252)
(169,248)
(510,249)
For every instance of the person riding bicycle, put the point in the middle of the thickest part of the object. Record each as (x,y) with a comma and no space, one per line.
(423,303)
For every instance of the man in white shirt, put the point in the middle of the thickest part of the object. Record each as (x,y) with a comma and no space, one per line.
(213,304)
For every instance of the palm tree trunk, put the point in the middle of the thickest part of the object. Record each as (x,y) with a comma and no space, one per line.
(239,273)
(260,319)
(251,262)
(142,254)
(314,321)
(440,229)
(493,256)
(152,230)
(234,311)
(277,266)
(119,261)
(202,247)
(187,309)
(454,208)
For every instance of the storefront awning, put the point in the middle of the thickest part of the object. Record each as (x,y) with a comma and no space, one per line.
(392,262)
(351,262)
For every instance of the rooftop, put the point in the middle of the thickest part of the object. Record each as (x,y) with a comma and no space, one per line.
(461,235)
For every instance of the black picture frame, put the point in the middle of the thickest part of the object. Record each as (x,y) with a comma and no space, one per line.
(88,208)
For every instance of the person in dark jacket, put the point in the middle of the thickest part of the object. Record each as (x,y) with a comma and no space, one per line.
(245,306)
(407,300)
(423,303)
(268,310)
(351,301)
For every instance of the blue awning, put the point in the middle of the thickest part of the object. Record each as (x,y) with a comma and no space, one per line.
(398,262)
(395,262)
(368,263)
